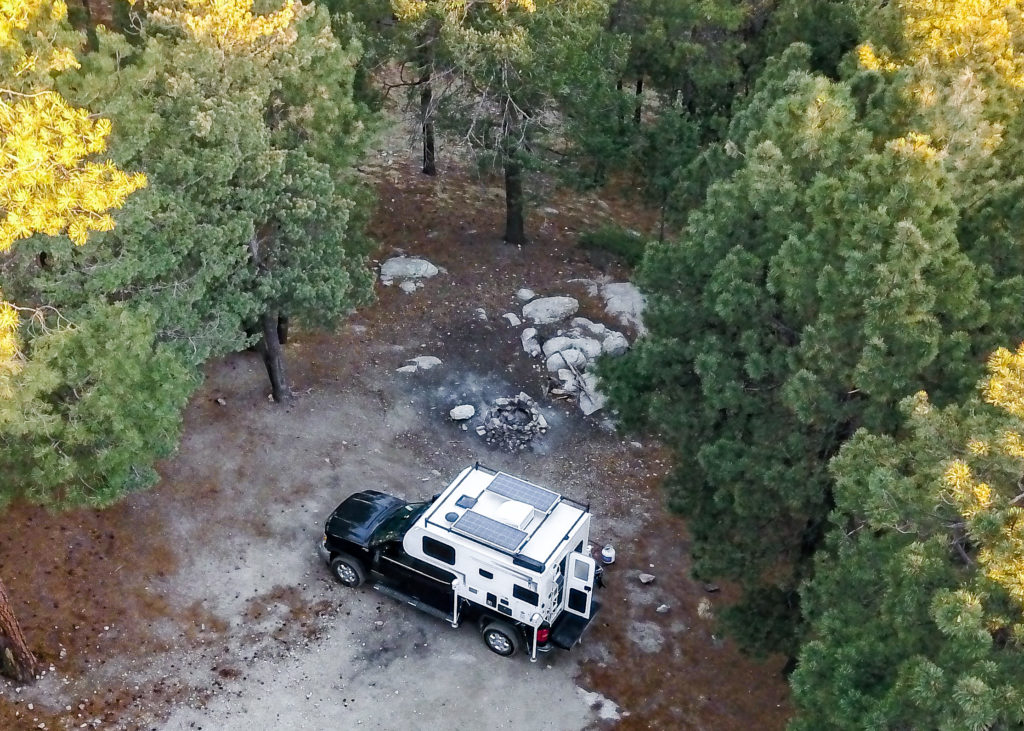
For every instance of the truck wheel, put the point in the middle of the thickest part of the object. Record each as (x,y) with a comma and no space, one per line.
(501,638)
(348,570)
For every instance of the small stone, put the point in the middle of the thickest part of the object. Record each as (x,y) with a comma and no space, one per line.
(481,313)
(378,624)
(646,578)
(704,609)
(405,267)
(513,319)
(407,369)
(221,401)
(525,295)
(408,286)
(462,412)
(481,430)
(663,609)
(425,362)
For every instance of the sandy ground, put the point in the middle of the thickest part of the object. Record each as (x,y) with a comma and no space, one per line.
(201,604)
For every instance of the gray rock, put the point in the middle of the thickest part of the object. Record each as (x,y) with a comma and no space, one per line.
(588,326)
(513,319)
(614,344)
(663,609)
(409,286)
(481,313)
(525,295)
(646,578)
(547,310)
(407,267)
(588,346)
(592,401)
(408,369)
(530,344)
(425,362)
(462,412)
(624,301)
(565,359)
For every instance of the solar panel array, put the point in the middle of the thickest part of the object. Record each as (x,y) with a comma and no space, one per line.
(489,531)
(515,489)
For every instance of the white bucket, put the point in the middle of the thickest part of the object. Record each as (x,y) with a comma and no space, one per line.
(608,554)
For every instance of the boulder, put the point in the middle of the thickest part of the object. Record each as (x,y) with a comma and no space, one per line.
(407,267)
(530,344)
(624,301)
(614,344)
(462,412)
(512,318)
(565,359)
(547,310)
(588,346)
(591,399)
(585,326)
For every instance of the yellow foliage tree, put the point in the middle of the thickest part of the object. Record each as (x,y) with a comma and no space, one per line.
(996,518)
(47,182)
(231,25)
(961,70)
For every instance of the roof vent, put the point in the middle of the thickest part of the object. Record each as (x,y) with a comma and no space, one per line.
(451,517)
(514,513)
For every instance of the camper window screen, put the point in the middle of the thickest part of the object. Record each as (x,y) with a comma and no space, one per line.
(441,551)
(524,594)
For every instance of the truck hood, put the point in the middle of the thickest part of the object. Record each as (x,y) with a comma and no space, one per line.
(360,514)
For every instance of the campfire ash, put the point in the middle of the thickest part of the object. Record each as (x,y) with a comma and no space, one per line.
(512,423)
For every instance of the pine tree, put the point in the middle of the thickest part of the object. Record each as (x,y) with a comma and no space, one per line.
(254,211)
(49,185)
(820,281)
(916,608)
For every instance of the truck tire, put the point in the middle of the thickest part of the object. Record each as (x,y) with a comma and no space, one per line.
(349,571)
(501,638)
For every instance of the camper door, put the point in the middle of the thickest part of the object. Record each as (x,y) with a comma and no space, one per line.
(579,580)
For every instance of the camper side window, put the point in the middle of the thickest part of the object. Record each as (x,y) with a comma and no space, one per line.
(524,594)
(441,551)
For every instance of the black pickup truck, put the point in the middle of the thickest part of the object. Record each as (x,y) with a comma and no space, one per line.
(363,542)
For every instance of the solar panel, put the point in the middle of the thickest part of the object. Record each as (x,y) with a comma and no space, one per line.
(525,492)
(489,531)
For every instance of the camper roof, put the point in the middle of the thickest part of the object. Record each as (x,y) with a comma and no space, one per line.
(505,513)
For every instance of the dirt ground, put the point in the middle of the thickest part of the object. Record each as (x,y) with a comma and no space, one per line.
(201,603)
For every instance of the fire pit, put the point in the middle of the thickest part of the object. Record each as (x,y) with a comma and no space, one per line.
(512,423)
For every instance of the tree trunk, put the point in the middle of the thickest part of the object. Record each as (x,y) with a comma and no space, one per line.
(16,660)
(639,100)
(511,143)
(273,358)
(101,12)
(515,229)
(282,328)
(426,53)
(622,111)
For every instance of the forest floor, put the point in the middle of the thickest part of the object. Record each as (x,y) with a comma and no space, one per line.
(201,603)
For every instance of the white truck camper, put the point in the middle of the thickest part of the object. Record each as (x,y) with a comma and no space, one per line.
(492,548)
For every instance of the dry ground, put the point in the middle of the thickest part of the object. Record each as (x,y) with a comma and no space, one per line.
(201,603)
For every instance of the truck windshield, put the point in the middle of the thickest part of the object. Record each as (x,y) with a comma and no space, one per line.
(397,524)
